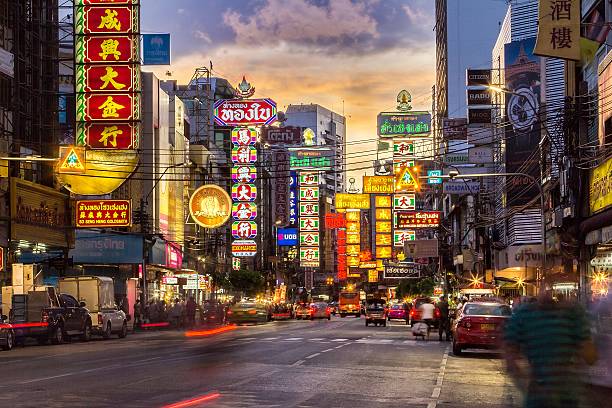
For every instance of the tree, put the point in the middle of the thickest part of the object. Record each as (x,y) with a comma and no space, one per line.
(247,282)
(414,287)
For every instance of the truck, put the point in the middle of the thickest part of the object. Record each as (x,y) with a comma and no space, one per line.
(349,303)
(98,293)
(45,315)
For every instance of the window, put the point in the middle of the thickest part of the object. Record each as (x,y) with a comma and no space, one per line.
(487,310)
(69,301)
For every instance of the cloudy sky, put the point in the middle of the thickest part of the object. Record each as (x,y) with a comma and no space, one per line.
(361,52)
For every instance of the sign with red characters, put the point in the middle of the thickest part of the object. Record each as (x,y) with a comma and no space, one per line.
(111,135)
(107,78)
(231,112)
(105,20)
(416,219)
(103,213)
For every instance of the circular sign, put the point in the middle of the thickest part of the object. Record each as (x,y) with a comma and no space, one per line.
(210,206)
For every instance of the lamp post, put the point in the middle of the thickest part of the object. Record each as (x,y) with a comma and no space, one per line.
(454,174)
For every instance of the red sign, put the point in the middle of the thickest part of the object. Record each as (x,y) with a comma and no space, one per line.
(115,49)
(231,112)
(108,2)
(341,265)
(111,107)
(109,78)
(103,213)
(111,20)
(335,220)
(111,135)
(417,219)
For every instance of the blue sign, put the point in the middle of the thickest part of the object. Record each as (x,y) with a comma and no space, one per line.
(92,247)
(156,49)
(433,176)
(293,200)
(287,236)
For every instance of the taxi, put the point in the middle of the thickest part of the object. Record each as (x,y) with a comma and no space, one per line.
(479,324)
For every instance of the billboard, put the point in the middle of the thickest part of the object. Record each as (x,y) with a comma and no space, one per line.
(156,49)
(103,213)
(604,86)
(478,77)
(287,236)
(454,128)
(290,135)
(92,247)
(403,123)
(522,115)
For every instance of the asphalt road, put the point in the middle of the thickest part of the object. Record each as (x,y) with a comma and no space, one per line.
(337,363)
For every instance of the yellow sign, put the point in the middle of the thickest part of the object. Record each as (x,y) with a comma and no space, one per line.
(600,187)
(372,275)
(71,160)
(354,201)
(383,239)
(406,180)
(383,214)
(352,238)
(353,216)
(383,226)
(380,266)
(352,261)
(353,250)
(352,226)
(210,206)
(559,29)
(383,201)
(367,265)
(378,184)
(383,252)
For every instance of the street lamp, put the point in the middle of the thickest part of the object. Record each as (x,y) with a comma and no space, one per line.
(454,174)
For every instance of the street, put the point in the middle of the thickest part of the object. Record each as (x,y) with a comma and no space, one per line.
(337,363)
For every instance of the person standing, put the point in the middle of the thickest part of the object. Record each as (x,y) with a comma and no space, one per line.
(190,308)
(554,338)
(444,324)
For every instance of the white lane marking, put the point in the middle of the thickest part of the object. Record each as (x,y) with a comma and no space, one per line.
(435,395)
(313,356)
(316,339)
(293,338)
(325,351)
(297,363)
(338,340)
(270,338)
(246,338)
(340,346)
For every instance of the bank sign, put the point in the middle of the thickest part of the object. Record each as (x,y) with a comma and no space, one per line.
(287,236)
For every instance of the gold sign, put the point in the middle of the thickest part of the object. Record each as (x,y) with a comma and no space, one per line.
(210,206)
(352,238)
(353,216)
(383,226)
(372,275)
(383,239)
(367,265)
(353,250)
(559,29)
(383,201)
(352,227)
(354,201)
(600,187)
(39,214)
(384,252)
(380,266)
(378,184)
(352,261)
(383,214)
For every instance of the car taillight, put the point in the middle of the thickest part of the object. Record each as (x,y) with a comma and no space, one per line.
(44,316)
(252,311)
(437,313)
(229,312)
(412,312)
(100,321)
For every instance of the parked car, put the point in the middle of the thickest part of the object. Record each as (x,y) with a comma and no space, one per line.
(98,293)
(320,310)
(375,312)
(302,311)
(399,311)
(248,312)
(46,316)
(479,325)
(7,337)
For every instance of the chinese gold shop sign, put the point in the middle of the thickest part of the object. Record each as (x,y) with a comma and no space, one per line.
(210,206)
(378,184)
(353,201)
(416,219)
(600,187)
(103,213)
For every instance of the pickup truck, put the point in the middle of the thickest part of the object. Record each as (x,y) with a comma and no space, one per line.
(47,316)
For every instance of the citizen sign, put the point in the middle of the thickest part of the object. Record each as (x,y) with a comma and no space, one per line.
(245,112)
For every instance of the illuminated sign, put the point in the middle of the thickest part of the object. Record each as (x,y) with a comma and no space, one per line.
(309,179)
(404,202)
(109,107)
(244,136)
(401,236)
(309,256)
(315,158)
(434,176)
(383,226)
(335,220)
(293,199)
(106,78)
(403,148)
(230,112)
(353,261)
(372,275)
(287,236)
(403,123)
(309,238)
(353,201)
(309,209)
(353,238)
(352,226)
(118,49)
(107,20)
(410,271)
(416,219)
(244,192)
(244,211)
(406,180)
(244,248)
(384,252)
(341,260)
(103,213)
(383,240)
(108,135)
(244,229)
(378,184)
(288,135)
(236,263)
(244,154)
(244,174)
(353,215)
(210,206)
(309,193)
(383,201)
(71,160)
(383,214)
(309,224)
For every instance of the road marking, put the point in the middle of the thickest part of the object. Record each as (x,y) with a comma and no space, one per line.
(293,338)
(340,346)
(246,338)
(325,351)
(337,340)
(313,356)
(297,363)
(316,339)
(270,338)
(439,380)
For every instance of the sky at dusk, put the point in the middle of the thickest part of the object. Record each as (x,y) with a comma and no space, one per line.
(362,52)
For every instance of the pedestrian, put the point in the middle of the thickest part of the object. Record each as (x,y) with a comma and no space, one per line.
(190,309)
(427,314)
(553,337)
(444,324)
(137,314)
(174,314)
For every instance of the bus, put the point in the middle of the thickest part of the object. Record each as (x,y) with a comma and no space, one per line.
(349,303)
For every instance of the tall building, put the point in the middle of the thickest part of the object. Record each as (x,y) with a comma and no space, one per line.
(330,129)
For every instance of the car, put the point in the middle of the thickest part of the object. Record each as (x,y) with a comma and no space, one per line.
(415,312)
(213,312)
(281,311)
(334,307)
(375,312)
(320,310)
(399,311)
(7,336)
(479,325)
(248,312)
(302,310)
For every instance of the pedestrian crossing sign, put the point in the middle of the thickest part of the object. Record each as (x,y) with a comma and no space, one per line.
(406,180)
(72,160)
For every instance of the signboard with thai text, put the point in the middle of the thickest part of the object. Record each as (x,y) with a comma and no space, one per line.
(230,112)
(416,219)
(409,271)
(103,213)
(403,123)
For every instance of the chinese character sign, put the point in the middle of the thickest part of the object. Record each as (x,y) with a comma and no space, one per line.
(308,205)
(559,29)
(107,74)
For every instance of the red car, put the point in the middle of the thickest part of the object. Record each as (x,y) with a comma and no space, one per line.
(399,311)
(479,325)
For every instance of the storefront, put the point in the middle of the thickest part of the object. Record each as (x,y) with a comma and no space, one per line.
(517,271)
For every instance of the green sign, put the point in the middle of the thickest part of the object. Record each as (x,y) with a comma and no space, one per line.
(308,163)
(404,123)
(309,238)
(309,209)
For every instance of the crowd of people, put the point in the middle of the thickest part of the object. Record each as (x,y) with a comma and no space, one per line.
(179,314)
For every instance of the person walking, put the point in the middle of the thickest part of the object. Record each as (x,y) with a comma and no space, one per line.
(444,324)
(554,338)
(427,314)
